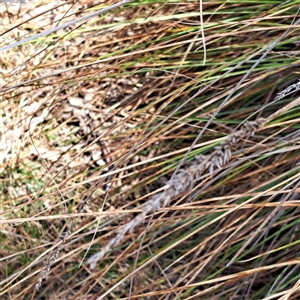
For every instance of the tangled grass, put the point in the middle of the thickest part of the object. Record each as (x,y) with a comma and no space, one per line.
(149,152)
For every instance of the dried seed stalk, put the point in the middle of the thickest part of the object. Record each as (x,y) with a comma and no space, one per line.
(54,254)
(181,182)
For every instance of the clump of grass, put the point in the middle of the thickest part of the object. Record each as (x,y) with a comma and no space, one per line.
(96,118)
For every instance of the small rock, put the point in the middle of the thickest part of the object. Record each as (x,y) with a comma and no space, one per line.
(76,101)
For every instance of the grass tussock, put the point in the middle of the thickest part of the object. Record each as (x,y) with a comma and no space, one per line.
(151,151)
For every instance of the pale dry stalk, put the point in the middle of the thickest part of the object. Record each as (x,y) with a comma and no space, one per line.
(54,254)
(181,183)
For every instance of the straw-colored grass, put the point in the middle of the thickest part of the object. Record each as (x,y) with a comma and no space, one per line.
(149,150)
